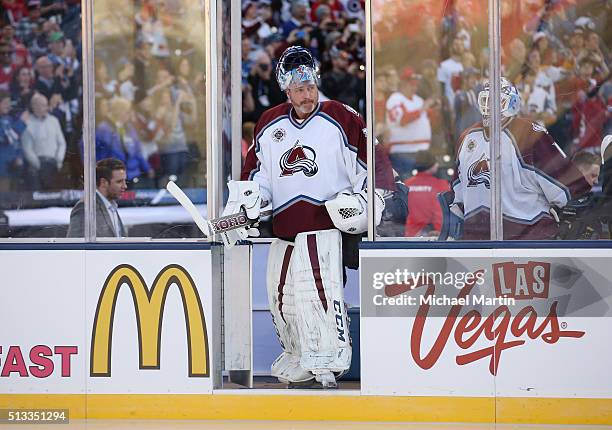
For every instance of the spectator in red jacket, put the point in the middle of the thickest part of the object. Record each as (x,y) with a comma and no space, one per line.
(424,213)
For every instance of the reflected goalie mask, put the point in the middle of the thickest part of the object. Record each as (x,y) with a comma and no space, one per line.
(510,99)
(295,66)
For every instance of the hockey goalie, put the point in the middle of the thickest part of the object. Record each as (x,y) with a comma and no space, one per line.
(308,162)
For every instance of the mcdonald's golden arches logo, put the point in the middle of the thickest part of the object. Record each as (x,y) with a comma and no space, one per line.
(149,308)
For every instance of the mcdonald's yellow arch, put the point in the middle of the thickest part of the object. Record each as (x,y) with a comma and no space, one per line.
(149,307)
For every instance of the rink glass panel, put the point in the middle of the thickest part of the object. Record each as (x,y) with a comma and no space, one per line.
(150,107)
(429,61)
(41,172)
(557,54)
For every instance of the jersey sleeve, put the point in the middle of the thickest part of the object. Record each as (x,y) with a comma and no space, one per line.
(256,166)
(557,176)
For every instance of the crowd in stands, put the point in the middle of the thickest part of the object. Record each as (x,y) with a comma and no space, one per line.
(148,93)
(432,62)
(333,30)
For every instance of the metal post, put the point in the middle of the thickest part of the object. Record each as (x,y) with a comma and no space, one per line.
(496,217)
(213,120)
(89,115)
(370,119)
(236,82)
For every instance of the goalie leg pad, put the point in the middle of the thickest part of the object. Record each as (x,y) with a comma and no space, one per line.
(281,299)
(316,267)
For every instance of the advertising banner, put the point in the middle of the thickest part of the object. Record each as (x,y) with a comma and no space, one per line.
(106,322)
(486,322)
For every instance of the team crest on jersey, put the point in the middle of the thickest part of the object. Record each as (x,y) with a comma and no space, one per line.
(479,173)
(299,158)
(279,134)
(471,146)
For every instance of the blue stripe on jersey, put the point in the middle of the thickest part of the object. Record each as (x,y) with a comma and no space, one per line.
(346,142)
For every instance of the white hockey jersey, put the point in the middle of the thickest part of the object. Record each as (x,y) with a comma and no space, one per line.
(408,124)
(535,173)
(301,165)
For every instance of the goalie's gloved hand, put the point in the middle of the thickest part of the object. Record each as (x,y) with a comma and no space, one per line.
(243,195)
(230,238)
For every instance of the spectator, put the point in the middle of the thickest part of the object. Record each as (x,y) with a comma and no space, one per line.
(589,165)
(56,46)
(44,146)
(424,212)
(264,88)
(299,16)
(7,68)
(466,101)
(450,68)
(339,83)
(110,185)
(175,109)
(408,124)
(10,145)
(25,29)
(117,138)
(21,89)
(46,83)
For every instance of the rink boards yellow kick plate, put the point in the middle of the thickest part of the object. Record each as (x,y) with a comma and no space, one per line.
(318,407)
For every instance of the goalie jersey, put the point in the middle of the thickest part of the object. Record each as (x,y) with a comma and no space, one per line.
(535,175)
(299,164)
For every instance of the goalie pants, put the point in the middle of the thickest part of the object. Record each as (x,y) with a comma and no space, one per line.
(305,293)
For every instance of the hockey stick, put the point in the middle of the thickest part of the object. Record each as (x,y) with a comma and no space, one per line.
(214,226)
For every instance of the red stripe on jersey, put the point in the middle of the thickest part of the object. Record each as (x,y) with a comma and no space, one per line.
(283,278)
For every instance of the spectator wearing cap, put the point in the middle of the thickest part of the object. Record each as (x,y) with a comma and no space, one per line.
(25,29)
(251,21)
(56,48)
(424,212)
(466,108)
(408,124)
(264,88)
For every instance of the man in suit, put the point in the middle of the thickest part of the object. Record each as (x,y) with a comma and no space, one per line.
(110,184)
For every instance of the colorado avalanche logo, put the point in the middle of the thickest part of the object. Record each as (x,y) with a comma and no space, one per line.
(299,158)
(479,173)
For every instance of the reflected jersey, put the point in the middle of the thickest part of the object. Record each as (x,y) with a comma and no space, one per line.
(535,175)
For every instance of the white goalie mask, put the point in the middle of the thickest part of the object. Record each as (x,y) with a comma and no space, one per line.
(296,66)
(510,99)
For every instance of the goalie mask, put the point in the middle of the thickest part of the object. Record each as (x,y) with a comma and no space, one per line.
(295,66)
(510,99)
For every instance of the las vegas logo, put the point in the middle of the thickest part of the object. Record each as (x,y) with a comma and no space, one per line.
(299,158)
